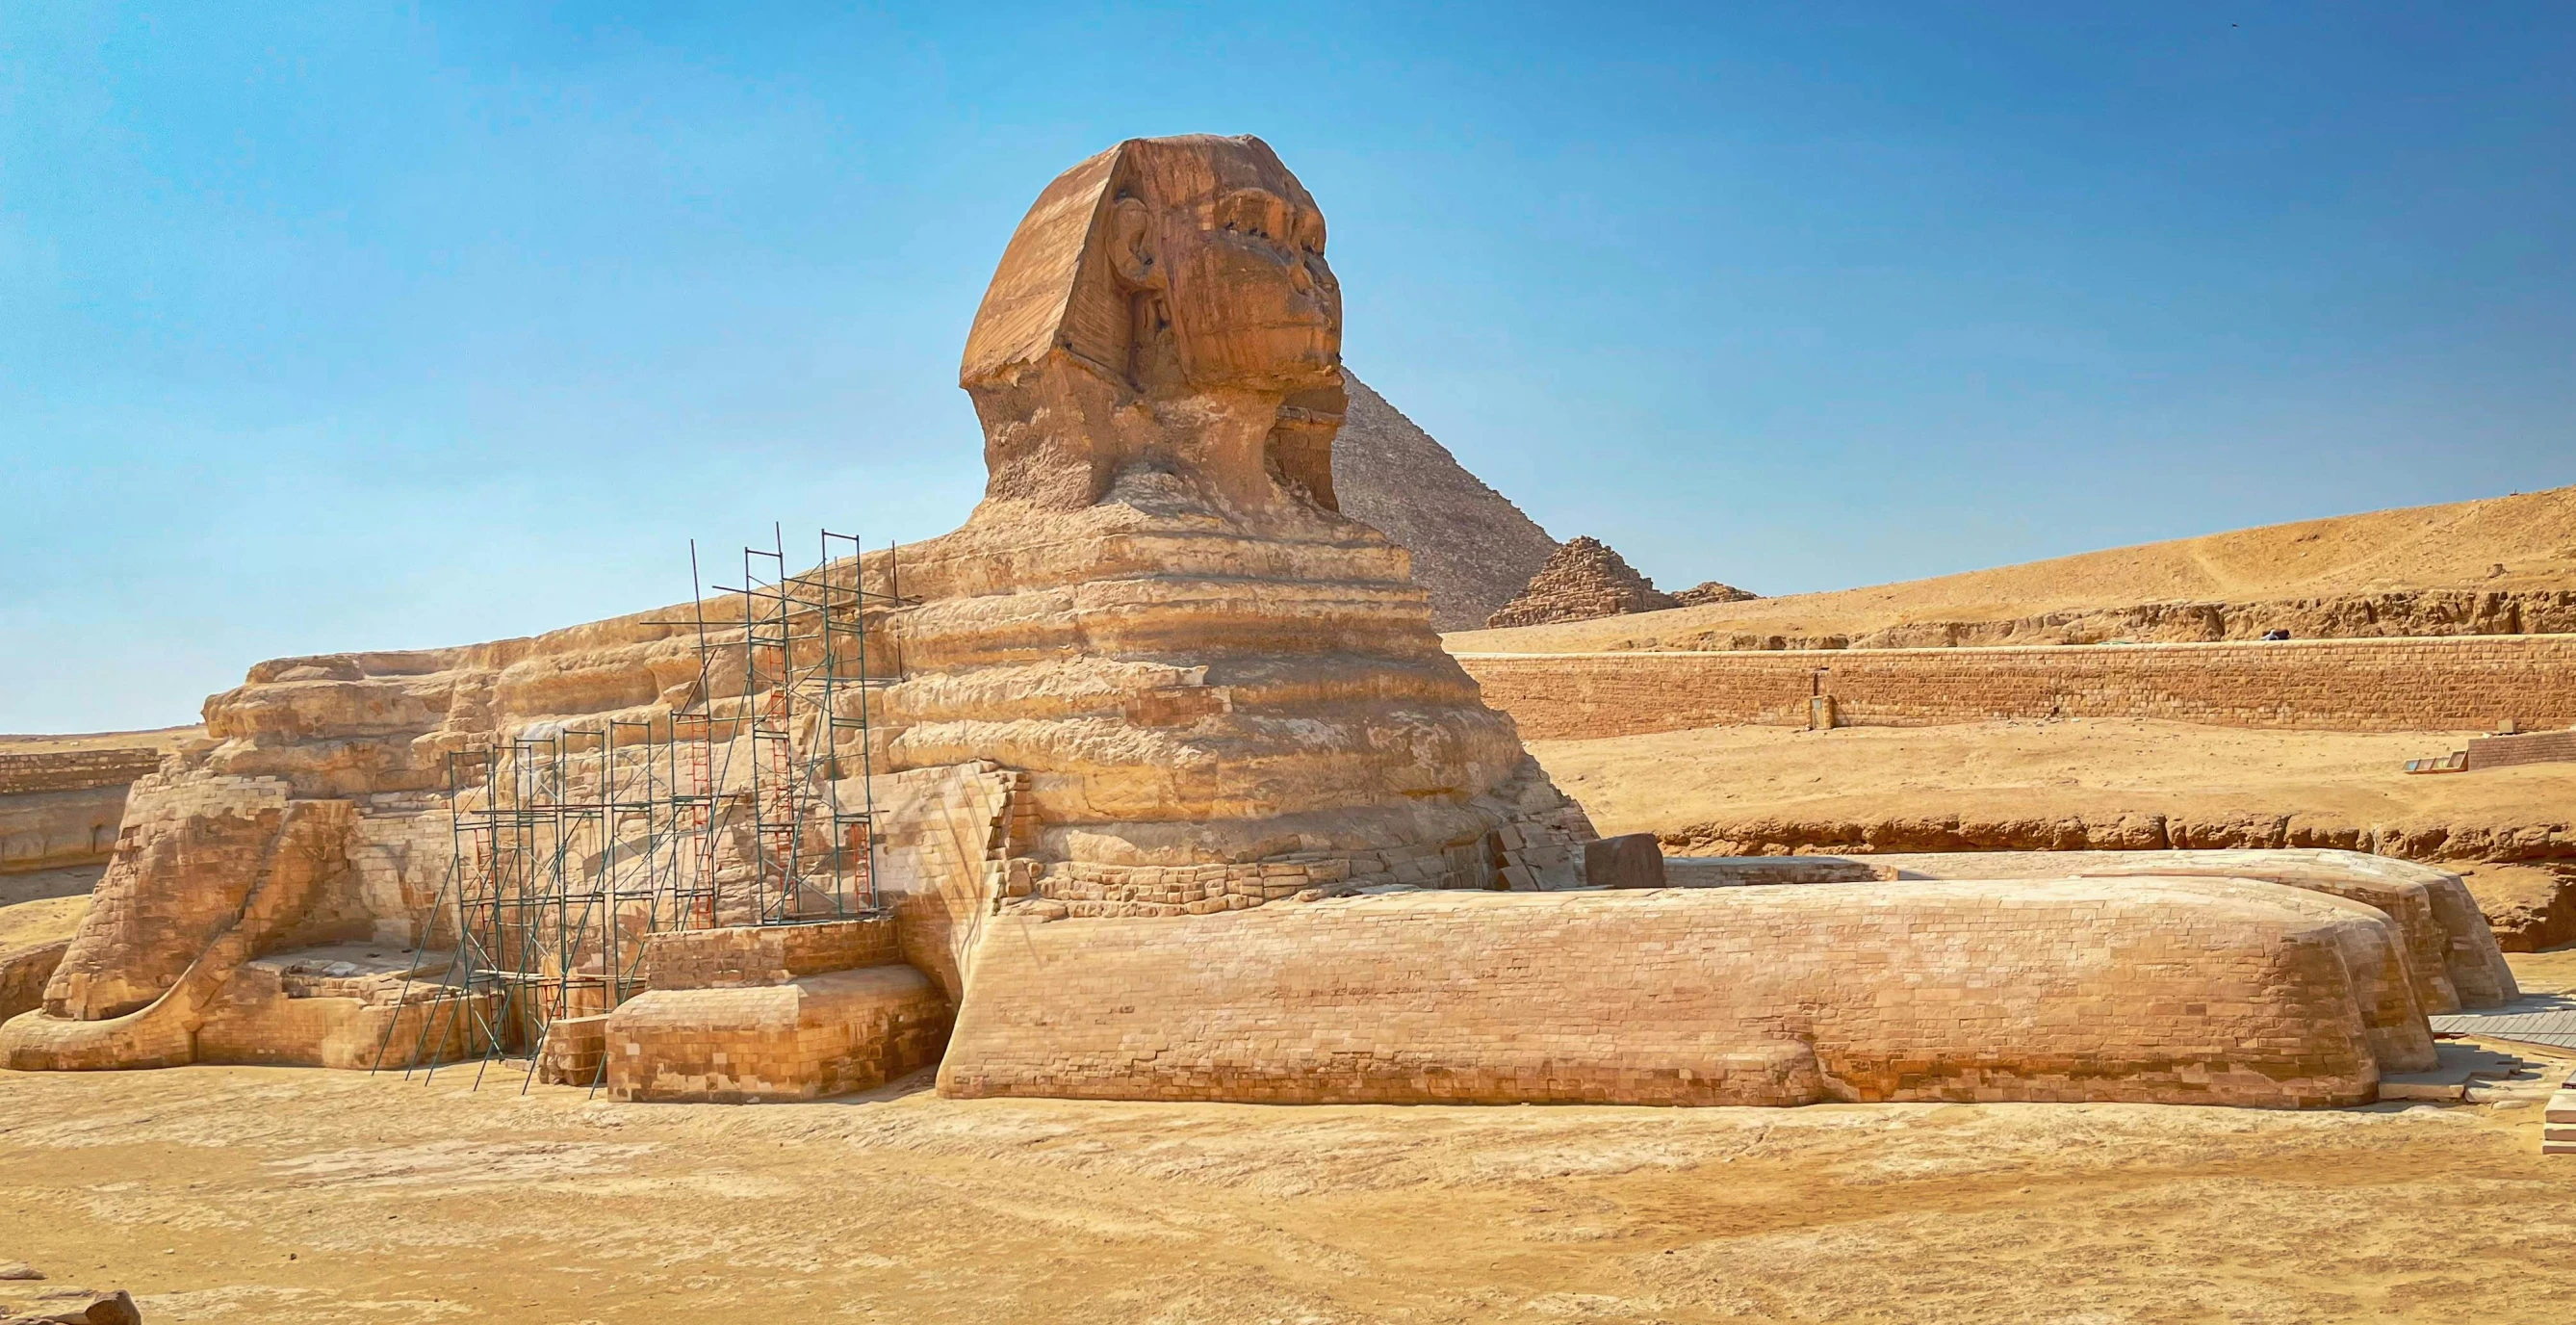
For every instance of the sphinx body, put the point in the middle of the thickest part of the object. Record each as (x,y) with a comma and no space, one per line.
(1183,800)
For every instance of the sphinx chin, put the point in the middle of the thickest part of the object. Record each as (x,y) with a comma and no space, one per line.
(1177,796)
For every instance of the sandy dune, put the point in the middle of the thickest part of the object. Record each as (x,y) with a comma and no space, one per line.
(2533,536)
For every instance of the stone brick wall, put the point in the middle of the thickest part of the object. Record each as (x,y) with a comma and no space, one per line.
(2336,685)
(2530,748)
(752,956)
(73,770)
(816,1035)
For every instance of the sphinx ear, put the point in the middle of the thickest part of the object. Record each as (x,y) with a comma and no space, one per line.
(1131,251)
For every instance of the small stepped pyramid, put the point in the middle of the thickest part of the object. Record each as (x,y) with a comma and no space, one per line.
(1710,591)
(1582,580)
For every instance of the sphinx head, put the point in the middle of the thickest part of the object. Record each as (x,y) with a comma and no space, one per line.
(1167,286)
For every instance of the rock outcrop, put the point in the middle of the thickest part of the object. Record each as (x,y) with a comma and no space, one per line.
(60,807)
(1581,581)
(1472,549)
(2157,990)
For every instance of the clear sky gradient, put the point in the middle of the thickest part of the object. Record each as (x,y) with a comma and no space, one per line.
(342,326)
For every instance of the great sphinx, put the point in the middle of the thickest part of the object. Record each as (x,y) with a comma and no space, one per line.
(1185,801)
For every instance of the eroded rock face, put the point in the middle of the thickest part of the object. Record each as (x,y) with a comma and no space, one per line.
(1583,579)
(2146,989)
(1158,611)
(186,868)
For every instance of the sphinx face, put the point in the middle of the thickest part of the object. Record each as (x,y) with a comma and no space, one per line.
(1251,300)
(1186,273)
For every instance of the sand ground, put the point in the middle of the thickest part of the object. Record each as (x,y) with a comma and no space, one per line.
(2094,767)
(241,1194)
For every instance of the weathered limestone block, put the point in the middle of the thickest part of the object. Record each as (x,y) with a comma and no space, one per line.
(2452,957)
(2173,990)
(196,848)
(575,1052)
(46,830)
(1630,860)
(75,1306)
(24,973)
(814,1035)
(340,1007)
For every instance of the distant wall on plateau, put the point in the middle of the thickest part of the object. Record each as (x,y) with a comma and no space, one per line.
(2448,684)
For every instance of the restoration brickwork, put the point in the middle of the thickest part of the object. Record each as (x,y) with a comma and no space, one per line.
(74,770)
(2451,684)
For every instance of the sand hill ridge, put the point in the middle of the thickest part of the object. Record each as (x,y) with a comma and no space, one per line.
(2414,570)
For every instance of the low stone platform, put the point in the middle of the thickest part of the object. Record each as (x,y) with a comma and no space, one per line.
(806,1037)
(2166,990)
(739,956)
(354,1005)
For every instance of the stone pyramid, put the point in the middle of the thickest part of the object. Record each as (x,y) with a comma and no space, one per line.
(1582,580)
(1711,591)
(1472,548)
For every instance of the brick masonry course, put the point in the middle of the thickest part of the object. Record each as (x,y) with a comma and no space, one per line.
(2333,685)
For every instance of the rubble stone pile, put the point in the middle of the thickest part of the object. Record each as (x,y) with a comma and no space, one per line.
(1582,580)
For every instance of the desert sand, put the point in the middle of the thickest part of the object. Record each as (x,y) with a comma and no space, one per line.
(2093,767)
(240,1194)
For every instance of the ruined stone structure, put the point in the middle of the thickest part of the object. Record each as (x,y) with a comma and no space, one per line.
(1582,580)
(1175,796)
(1711,591)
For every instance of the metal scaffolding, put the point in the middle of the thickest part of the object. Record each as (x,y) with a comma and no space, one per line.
(574,842)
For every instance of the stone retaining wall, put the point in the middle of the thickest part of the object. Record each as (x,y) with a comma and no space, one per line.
(74,770)
(60,808)
(2334,685)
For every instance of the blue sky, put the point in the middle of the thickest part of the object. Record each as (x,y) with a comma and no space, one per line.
(341,326)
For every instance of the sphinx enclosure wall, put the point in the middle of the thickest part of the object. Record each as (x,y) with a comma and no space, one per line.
(2447,684)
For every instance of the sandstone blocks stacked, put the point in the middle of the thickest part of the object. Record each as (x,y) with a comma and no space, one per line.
(1711,591)
(1582,580)
(767,1013)
(2558,1123)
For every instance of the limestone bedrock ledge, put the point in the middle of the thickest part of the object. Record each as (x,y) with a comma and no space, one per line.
(2169,990)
